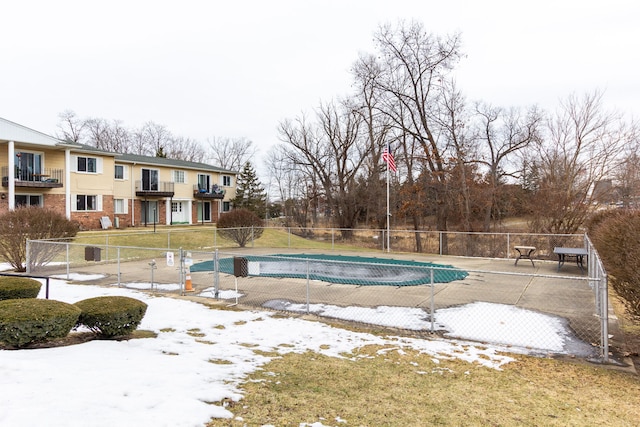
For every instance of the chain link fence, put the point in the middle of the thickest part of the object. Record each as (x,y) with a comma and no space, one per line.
(486,299)
(487,245)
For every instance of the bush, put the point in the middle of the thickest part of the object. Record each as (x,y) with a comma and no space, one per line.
(25,321)
(32,222)
(18,287)
(111,316)
(617,239)
(240,225)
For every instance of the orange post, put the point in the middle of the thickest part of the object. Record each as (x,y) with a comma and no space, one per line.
(188,286)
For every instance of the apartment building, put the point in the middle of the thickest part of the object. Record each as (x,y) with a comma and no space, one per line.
(99,189)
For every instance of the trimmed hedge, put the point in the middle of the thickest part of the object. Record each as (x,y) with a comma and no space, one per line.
(616,236)
(240,225)
(18,287)
(111,316)
(24,321)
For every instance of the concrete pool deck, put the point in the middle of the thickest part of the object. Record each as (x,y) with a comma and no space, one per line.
(565,293)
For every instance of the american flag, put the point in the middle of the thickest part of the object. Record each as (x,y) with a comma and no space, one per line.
(388,158)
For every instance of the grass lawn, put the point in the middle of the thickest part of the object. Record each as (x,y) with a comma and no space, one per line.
(200,237)
(391,388)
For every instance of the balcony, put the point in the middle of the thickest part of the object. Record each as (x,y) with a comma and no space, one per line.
(25,178)
(204,193)
(154,189)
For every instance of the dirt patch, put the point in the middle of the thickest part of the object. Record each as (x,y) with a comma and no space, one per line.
(75,338)
(628,345)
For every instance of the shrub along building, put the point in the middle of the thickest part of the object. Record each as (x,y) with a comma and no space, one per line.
(97,188)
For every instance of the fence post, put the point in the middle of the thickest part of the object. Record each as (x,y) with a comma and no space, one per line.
(118,255)
(107,250)
(509,246)
(68,263)
(332,237)
(28,257)
(216,274)
(604,315)
(433,327)
(181,271)
(440,239)
(307,286)
(253,241)
(289,237)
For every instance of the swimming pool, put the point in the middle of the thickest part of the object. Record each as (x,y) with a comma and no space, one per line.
(342,269)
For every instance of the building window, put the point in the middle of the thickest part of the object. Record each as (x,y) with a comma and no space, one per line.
(178,176)
(226,206)
(119,172)
(28,166)
(87,164)
(176,207)
(28,200)
(226,181)
(119,206)
(86,203)
(149,180)
(203,183)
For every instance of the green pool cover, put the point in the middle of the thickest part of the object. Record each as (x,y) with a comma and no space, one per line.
(351,270)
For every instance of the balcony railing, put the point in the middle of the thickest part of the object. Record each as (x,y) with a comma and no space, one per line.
(44,178)
(154,189)
(204,192)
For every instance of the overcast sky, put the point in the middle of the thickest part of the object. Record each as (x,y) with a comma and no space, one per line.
(236,69)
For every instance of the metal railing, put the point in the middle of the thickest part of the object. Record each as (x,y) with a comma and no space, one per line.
(154,186)
(31,276)
(48,175)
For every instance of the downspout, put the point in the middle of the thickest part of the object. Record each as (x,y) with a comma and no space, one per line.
(12,176)
(133,194)
(67,183)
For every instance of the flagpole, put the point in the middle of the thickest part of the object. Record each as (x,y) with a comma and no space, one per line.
(388,211)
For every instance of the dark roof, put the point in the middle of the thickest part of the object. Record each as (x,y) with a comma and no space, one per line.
(135,158)
(159,161)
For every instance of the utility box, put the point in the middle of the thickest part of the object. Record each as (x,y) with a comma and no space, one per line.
(92,253)
(240,267)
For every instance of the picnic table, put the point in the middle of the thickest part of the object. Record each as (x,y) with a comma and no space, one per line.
(577,253)
(525,252)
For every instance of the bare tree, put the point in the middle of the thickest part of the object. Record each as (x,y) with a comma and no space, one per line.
(151,139)
(582,147)
(98,133)
(627,177)
(333,152)
(71,127)
(452,119)
(414,65)
(156,139)
(187,149)
(119,137)
(231,153)
(295,188)
(502,134)
(377,128)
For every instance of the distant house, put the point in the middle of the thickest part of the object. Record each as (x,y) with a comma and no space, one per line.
(604,191)
(87,184)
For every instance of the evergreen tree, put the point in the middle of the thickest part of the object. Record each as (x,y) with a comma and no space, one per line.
(250,193)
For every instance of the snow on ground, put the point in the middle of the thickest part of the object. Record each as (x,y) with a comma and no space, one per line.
(200,355)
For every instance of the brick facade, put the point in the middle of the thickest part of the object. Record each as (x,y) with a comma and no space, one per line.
(63,169)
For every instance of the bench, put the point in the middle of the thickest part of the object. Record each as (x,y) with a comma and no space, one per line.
(525,252)
(577,253)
